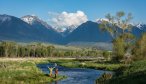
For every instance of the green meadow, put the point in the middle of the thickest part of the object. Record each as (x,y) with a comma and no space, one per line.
(23,71)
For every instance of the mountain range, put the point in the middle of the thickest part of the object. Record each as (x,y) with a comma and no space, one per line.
(18,29)
(31,28)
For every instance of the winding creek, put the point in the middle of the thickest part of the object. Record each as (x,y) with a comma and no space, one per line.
(74,75)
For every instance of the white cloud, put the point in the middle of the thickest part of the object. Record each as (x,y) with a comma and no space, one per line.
(65,19)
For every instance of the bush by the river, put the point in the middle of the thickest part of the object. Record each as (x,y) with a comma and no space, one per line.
(134,74)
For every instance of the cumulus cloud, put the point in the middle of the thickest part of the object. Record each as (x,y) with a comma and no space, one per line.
(65,19)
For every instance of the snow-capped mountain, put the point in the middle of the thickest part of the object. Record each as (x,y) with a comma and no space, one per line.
(31,19)
(70,29)
(13,28)
(31,28)
(141,26)
(43,27)
(100,20)
(65,31)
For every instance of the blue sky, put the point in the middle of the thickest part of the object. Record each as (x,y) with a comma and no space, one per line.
(92,8)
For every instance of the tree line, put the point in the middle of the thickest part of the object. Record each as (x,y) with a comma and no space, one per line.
(12,49)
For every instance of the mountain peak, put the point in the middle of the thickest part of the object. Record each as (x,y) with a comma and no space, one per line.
(140,25)
(30,19)
(100,20)
(5,17)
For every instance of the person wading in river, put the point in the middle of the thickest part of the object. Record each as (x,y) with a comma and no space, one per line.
(51,71)
(56,72)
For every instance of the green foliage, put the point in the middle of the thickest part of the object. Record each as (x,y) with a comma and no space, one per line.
(120,20)
(134,74)
(135,67)
(121,40)
(106,54)
(119,49)
(7,49)
(139,51)
(104,78)
(12,49)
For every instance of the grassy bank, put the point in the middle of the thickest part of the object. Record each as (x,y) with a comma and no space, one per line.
(23,71)
(87,63)
(134,74)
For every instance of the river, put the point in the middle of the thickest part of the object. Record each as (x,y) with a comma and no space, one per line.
(74,75)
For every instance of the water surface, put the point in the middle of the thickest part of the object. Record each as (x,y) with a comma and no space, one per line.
(74,75)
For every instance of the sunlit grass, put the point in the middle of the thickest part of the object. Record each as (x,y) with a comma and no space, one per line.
(23,72)
(75,63)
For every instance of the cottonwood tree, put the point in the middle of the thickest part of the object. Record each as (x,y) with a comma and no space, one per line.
(119,28)
(139,51)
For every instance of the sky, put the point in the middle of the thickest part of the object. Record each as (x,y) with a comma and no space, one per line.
(80,10)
